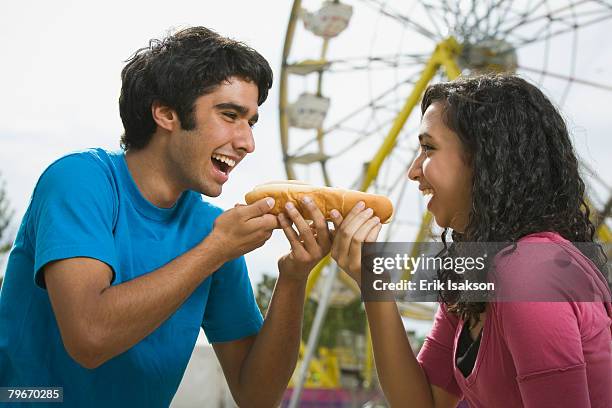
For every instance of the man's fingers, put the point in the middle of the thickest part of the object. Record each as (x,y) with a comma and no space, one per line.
(302,227)
(264,222)
(336,218)
(290,233)
(320,225)
(258,208)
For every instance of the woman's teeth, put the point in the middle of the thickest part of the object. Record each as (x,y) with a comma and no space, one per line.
(427,191)
(224,159)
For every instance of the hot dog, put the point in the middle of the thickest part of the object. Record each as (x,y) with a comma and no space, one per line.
(326,198)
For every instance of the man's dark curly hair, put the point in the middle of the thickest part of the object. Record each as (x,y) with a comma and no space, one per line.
(178,69)
(526,176)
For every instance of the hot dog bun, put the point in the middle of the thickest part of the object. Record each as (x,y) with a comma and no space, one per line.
(326,198)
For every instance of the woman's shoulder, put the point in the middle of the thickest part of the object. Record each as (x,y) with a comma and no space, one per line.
(545,267)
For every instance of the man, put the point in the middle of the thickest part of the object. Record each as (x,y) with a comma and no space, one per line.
(119,261)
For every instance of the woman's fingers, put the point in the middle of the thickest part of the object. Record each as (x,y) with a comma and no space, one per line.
(351,225)
(355,211)
(360,236)
(373,234)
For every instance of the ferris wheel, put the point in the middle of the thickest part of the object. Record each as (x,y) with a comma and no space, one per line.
(353,73)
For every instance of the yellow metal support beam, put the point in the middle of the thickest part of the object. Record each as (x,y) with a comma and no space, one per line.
(444,56)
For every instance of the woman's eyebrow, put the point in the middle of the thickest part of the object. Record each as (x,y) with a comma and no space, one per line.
(425,136)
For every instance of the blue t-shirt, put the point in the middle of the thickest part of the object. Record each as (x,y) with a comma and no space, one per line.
(86,204)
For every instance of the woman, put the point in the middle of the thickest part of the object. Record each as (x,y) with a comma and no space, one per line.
(498,161)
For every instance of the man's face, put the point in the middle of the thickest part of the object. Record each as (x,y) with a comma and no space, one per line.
(203,158)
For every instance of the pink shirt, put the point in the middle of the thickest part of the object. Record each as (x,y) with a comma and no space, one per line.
(532,354)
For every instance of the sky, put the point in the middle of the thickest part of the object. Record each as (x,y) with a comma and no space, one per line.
(61,68)
(60,81)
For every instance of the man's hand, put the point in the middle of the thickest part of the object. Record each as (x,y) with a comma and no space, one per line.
(243,228)
(308,245)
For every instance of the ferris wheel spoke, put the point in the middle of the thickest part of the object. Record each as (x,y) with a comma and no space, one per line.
(371,103)
(402,19)
(375,62)
(554,16)
(531,41)
(363,137)
(595,176)
(478,20)
(438,11)
(568,78)
(503,16)
(572,73)
(429,11)
(526,14)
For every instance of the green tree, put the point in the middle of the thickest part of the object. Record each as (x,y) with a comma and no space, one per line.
(5,219)
(350,317)
(264,291)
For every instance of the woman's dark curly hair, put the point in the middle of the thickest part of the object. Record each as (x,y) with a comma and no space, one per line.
(178,69)
(526,176)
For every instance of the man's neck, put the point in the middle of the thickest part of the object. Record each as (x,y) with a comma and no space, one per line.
(152,176)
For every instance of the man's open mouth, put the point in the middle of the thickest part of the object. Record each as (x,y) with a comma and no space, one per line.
(222,163)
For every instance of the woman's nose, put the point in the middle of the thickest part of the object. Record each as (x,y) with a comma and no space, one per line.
(415,170)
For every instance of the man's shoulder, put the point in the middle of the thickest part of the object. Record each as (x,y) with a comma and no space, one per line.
(92,159)
(81,173)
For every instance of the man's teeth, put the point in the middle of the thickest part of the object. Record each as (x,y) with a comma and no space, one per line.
(224,159)
(427,191)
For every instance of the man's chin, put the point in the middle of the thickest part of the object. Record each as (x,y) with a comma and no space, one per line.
(211,190)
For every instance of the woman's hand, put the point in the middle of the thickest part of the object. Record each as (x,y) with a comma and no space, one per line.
(358,227)
(308,245)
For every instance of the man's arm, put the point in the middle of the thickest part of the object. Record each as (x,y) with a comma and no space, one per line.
(98,321)
(258,368)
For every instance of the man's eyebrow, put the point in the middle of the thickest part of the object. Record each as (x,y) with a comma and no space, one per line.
(425,135)
(242,110)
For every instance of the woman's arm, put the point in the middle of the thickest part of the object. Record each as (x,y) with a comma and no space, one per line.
(546,346)
(401,376)
(402,379)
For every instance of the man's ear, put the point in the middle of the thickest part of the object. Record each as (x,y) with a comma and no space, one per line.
(164,116)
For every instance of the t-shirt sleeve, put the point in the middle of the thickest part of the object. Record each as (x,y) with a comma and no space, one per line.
(231,310)
(545,343)
(436,355)
(71,214)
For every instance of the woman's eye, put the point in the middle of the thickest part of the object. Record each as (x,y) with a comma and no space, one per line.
(426,148)
(251,125)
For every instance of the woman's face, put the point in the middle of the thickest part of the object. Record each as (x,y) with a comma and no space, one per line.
(442,171)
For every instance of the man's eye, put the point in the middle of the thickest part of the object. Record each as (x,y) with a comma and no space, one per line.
(230,115)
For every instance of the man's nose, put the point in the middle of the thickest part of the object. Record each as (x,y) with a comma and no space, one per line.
(244,139)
